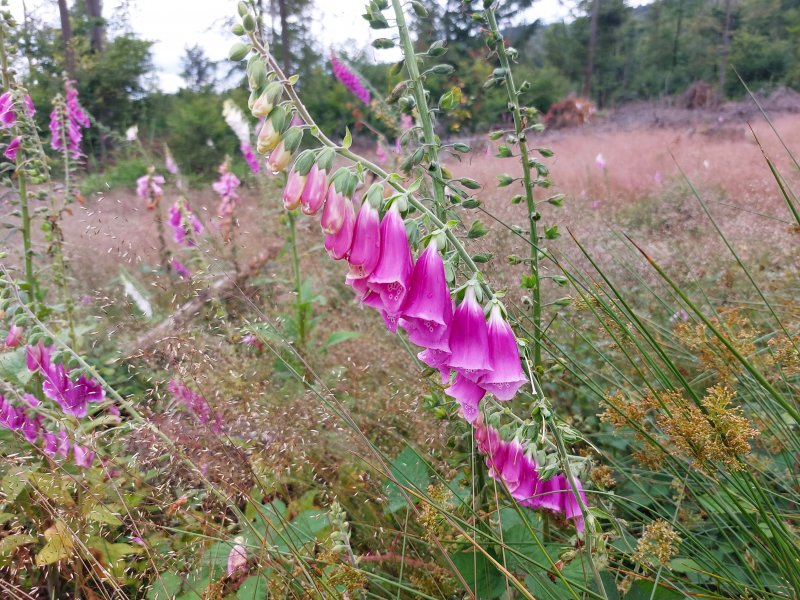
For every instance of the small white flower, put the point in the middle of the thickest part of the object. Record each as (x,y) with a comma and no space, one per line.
(236,121)
(132,133)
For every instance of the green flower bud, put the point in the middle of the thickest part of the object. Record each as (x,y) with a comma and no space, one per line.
(238,52)
(237,29)
(266,101)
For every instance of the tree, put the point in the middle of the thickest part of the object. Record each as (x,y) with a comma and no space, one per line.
(198,71)
(94,10)
(66,36)
(587,80)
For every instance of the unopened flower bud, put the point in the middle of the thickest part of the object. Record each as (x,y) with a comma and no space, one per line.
(295,184)
(279,158)
(268,137)
(266,101)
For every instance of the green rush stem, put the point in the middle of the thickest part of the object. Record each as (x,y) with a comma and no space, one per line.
(431,143)
(30,279)
(55,232)
(163,253)
(346,153)
(298,285)
(519,130)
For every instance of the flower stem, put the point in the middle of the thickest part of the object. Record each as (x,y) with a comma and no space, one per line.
(30,278)
(431,143)
(519,132)
(298,285)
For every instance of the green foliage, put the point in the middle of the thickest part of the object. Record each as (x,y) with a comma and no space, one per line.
(122,173)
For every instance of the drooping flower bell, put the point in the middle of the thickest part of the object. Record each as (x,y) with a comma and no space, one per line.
(506,376)
(279,158)
(366,247)
(428,310)
(333,212)
(338,244)
(313,196)
(268,137)
(469,338)
(12,149)
(469,395)
(295,183)
(391,277)
(14,336)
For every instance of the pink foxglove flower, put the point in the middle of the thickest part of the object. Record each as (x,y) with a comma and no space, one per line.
(333,213)
(237,560)
(268,137)
(469,338)
(506,376)
(12,149)
(7,115)
(469,395)
(196,404)
(250,157)
(32,428)
(349,79)
(14,337)
(169,162)
(391,277)
(149,190)
(509,463)
(338,244)
(11,417)
(66,121)
(83,456)
(380,153)
(295,183)
(313,196)
(279,158)
(600,161)
(182,271)
(366,248)
(437,359)
(184,222)
(429,309)
(226,186)
(72,396)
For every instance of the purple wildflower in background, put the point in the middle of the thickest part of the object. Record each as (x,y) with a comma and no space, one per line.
(169,163)
(226,187)
(196,404)
(84,457)
(349,79)
(66,121)
(180,268)
(237,560)
(250,158)
(148,188)
(183,222)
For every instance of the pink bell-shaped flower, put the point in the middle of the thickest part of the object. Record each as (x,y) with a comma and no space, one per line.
(268,137)
(366,249)
(436,359)
(468,394)
(391,277)
(469,338)
(506,376)
(338,244)
(313,196)
(14,337)
(293,190)
(279,158)
(333,213)
(428,310)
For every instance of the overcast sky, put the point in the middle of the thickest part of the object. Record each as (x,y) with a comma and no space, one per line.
(176,24)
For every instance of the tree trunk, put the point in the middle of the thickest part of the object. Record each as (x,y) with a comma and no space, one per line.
(284,16)
(94,9)
(675,42)
(726,42)
(587,81)
(66,36)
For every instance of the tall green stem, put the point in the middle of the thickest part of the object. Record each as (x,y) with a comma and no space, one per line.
(298,285)
(30,278)
(533,216)
(60,270)
(431,143)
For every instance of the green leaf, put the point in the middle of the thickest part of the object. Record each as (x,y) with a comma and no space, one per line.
(59,545)
(337,337)
(13,483)
(643,590)
(101,513)
(410,471)
(476,230)
(382,43)
(481,576)
(419,9)
(348,139)
(470,184)
(551,233)
(13,368)
(253,588)
(504,180)
(164,587)
(481,258)
(11,542)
